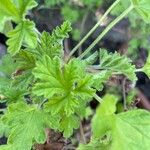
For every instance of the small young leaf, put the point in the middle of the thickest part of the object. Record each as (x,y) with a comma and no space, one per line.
(61,32)
(117,64)
(48,45)
(51,44)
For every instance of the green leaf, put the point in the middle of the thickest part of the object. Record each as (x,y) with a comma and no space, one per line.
(8,10)
(24,6)
(94,144)
(13,94)
(68,124)
(27,124)
(146,67)
(103,119)
(60,33)
(143,8)
(23,76)
(116,63)
(24,33)
(6,147)
(127,130)
(23,80)
(49,45)
(91,59)
(25,60)
(62,85)
(3,128)
(8,66)
(100,78)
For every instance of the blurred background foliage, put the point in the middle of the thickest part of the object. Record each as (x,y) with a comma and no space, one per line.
(84,13)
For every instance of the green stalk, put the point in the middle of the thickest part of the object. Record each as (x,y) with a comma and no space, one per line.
(97,98)
(107,29)
(93,29)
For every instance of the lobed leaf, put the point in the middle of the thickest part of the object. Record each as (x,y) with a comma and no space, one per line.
(62,85)
(24,33)
(27,124)
(24,6)
(100,78)
(48,45)
(61,32)
(117,64)
(8,10)
(68,124)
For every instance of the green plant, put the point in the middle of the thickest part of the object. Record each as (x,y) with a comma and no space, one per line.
(114,131)
(44,88)
(75,12)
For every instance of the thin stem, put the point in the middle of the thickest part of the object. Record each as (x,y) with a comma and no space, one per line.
(82,30)
(139,70)
(97,98)
(2,109)
(107,29)
(124,94)
(82,133)
(93,29)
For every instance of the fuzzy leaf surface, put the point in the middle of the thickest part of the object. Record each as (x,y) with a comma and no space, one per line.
(62,85)
(68,124)
(27,124)
(116,63)
(100,78)
(61,32)
(24,6)
(24,33)
(9,10)
(48,45)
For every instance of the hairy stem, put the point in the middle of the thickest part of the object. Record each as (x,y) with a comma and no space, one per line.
(97,98)
(107,29)
(93,29)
